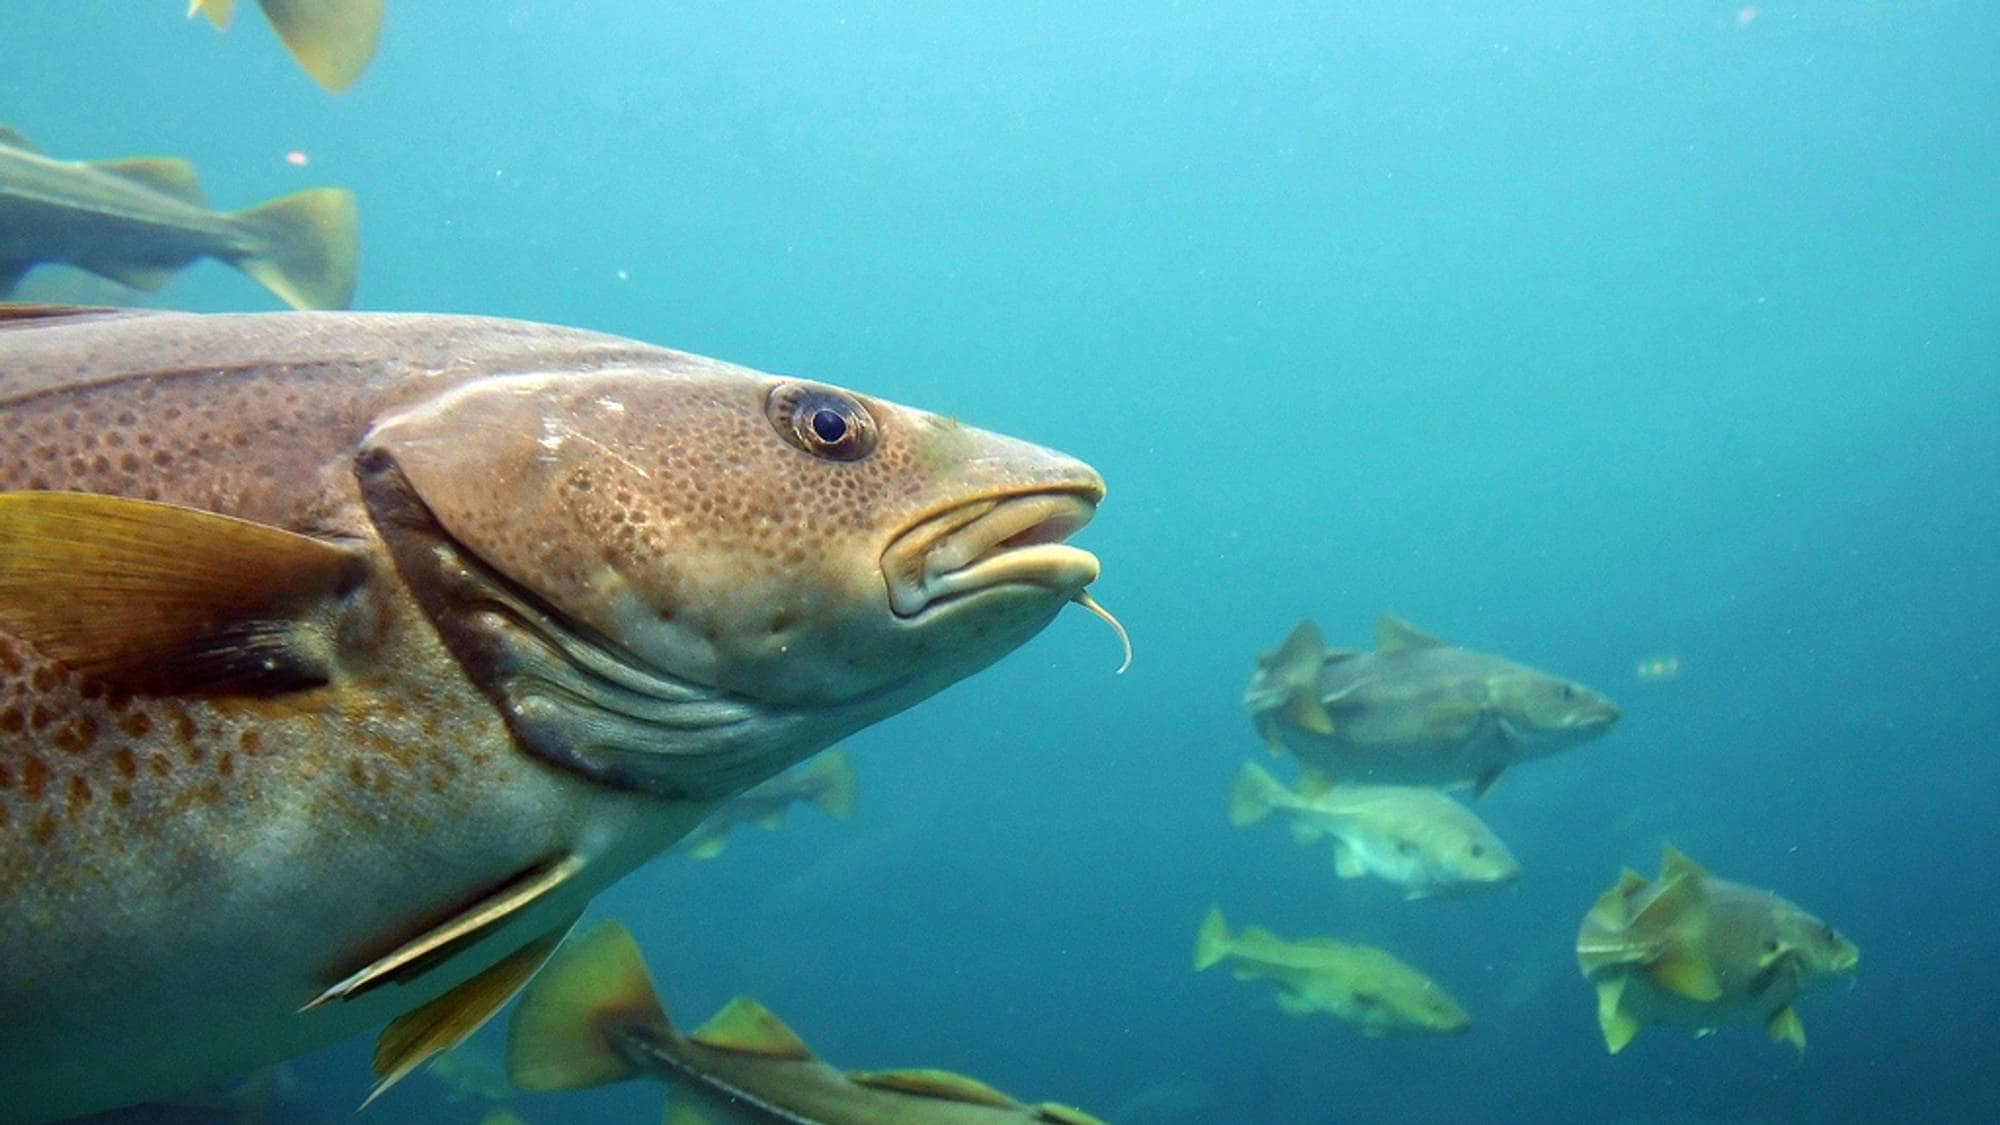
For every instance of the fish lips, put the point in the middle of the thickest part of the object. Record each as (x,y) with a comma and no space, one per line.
(989,546)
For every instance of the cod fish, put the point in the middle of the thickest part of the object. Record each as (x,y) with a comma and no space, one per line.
(1320,976)
(331,39)
(1692,950)
(345,657)
(1416,838)
(592,1016)
(1416,711)
(139,222)
(827,781)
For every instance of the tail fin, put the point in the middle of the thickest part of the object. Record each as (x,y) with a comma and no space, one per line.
(1254,795)
(331,39)
(304,247)
(837,786)
(596,983)
(218,12)
(1211,942)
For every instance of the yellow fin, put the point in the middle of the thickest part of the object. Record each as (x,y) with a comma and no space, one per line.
(219,12)
(304,247)
(838,786)
(1313,783)
(745,1027)
(709,846)
(1305,711)
(1673,862)
(1057,1114)
(1685,974)
(1393,634)
(941,1084)
(439,942)
(1784,1024)
(331,39)
(450,1019)
(168,175)
(1253,795)
(1618,1025)
(1211,942)
(595,983)
(157,597)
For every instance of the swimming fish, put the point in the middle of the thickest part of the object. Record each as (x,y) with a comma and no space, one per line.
(139,222)
(592,1016)
(1416,838)
(1415,711)
(1692,950)
(333,40)
(827,781)
(345,657)
(1359,984)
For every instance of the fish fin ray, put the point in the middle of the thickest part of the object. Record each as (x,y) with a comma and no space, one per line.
(1784,1025)
(595,982)
(305,247)
(416,1036)
(417,955)
(1211,942)
(1675,862)
(159,597)
(1617,1024)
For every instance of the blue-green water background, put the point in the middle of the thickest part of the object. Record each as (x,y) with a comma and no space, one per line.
(1578,332)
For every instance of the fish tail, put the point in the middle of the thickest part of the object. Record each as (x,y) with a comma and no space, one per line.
(1211,942)
(838,788)
(304,247)
(331,39)
(218,12)
(1253,796)
(593,994)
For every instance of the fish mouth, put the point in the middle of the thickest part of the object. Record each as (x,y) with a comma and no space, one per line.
(995,543)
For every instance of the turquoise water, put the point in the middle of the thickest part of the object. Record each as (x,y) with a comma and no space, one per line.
(1583,334)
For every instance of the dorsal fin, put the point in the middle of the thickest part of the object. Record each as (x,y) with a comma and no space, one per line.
(168,175)
(1056,1113)
(1673,862)
(748,1028)
(941,1084)
(12,138)
(1393,634)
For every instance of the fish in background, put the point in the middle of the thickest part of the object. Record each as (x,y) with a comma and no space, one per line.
(827,781)
(592,1016)
(1359,984)
(1691,950)
(332,40)
(1413,837)
(345,657)
(1415,711)
(140,221)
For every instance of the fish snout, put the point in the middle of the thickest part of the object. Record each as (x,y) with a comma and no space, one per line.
(993,543)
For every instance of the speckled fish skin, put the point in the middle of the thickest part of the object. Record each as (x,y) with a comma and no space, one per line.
(181,872)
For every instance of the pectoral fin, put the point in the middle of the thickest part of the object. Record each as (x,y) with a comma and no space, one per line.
(1685,974)
(449,1020)
(157,597)
(439,942)
(1305,711)
(1618,1025)
(1784,1024)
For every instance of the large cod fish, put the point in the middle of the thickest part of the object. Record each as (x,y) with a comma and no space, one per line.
(593,1017)
(344,657)
(1415,711)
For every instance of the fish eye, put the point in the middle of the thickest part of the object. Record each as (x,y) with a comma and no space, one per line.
(822,421)
(1406,847)
(1569,691)
(1479,849)
(1770,945)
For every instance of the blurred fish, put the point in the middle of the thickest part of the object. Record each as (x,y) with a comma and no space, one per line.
(1658,667)
(1320,976)
(1692,950)
(592,1016)
(345,657)
(140,221)
(827,781)
(1419,839)
(331,39)
(1416,711)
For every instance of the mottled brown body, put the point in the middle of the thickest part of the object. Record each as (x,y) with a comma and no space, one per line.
(190,866)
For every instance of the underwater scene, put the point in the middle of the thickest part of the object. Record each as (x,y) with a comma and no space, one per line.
(1235,563)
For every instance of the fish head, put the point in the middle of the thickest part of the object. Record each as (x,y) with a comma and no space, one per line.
(1426,1007)
(1481,857)
(695,560)
(1813,950)
(1539,709)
